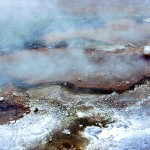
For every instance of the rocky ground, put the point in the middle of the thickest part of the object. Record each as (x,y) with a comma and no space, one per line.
(75,76)
(58,118)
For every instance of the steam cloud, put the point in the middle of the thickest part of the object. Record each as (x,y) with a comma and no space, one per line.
(56,20)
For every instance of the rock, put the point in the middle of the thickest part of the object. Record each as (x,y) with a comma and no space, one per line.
(114,48)
(66,131)
(1,98)
(146,20)
(129,45)
(58,45)
(34,44)
(147,50)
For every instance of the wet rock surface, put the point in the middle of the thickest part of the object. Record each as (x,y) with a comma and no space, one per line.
(34,45)
(147,50)
(75,75)
(12,106)
(60,119)
(77,111)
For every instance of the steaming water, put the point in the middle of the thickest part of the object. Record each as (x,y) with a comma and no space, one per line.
(79,23)
(24,21)
(27,20)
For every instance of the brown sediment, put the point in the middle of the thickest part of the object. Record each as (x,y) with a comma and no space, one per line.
(102,90)
(66,142)
(12,106)
(73,140)
(135,74)
(95,120)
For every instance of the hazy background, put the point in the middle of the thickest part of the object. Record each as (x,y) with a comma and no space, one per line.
(25,20)
(21,21)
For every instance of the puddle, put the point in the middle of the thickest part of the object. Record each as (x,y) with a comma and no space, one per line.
(10,113)
(12,107)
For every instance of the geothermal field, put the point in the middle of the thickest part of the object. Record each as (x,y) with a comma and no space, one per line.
(75,75)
